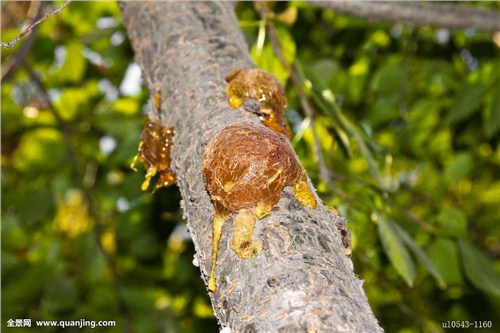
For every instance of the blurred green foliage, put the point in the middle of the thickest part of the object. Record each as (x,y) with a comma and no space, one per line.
(408,120)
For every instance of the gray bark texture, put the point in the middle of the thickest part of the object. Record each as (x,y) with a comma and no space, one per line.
(436,14)
(302,281)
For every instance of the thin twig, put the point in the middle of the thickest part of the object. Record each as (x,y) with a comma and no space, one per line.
(17,59)
(441,15)
(325,173)
(13,42)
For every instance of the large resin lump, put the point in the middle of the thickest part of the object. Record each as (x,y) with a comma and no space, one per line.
(245,167)
(254,83)
(154,152)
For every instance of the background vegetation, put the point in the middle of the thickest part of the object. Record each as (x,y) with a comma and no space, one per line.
(408,119)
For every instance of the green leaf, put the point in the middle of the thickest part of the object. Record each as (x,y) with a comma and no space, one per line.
(367,154)
(458,168)
(453,221)
(33,205)
(145,246)
(388,78)
(355,133)
(385,109)
(319,85)
(74,66)
(287,44)
(491,116)
(356,80)
(478,269)
(395,249)
(316,77)
(202,309)
(138,298)
(77,101)
(327,67)
(330,107)
(126,106)
(466,102)
(60,293)
(26,283)
(40,150)
(267,60)
(444,255)
(14,235)
(420,254)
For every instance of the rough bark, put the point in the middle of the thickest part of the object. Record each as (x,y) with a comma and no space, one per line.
(440,15)
(302,281)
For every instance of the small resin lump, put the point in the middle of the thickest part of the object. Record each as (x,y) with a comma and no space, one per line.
(264,87)
(245,167)
(154,153)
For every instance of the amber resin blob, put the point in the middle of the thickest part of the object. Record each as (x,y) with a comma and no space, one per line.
(245,167)
(257,84)
(154,153)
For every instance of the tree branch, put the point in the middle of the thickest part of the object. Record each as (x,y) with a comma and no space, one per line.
(302,281)
(441,15)
(13,42)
